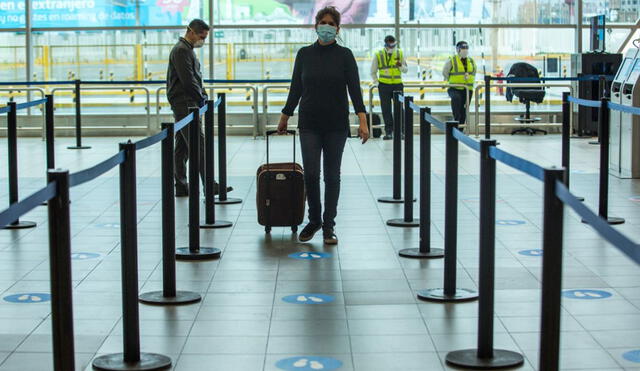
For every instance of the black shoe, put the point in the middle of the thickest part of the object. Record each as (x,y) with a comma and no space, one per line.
(308,232)
(182,192)
(329,236)
(387,137)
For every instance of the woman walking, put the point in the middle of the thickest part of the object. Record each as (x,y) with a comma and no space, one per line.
(322,75)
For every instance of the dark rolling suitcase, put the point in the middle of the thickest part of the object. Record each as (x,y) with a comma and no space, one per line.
(280,195)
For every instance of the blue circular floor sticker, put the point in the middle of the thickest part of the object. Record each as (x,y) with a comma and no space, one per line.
(108,225)
(632,356)
(309,255)
(28,298)
(586,294)
(532,252)
(310,363)
(84,255)
(509,222)
(308,299)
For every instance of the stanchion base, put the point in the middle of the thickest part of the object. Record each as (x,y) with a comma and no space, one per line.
(580,198)
(611,220)
(402,223)
(228,201)
(468,358)
(595,143)
(203,253)
(417,254)
(439,295)
(79,147)
(158,298)
(216,225)
(22,224)
(148,362)
(391,200)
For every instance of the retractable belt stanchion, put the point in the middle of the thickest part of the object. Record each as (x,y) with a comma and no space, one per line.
(169,295)
(424,251)
(603,197)
(398,118)
(485,357)
(222,154)
(209,172)
(76,92)
(49,134)
(602,93)
(195,251)
(487,107)
(450,293)
(12,157)
(60,272)
(566,137)
(551,272)
(408,220)
(131,358)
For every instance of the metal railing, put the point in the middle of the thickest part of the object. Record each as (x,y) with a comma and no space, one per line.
(28,90)
(481,86)
(419,85)
(127,87)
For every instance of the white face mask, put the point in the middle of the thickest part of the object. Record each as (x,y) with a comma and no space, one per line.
(464,53)
(198,44)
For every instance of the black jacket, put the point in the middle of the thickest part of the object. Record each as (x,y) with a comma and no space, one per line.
(322,76)
(184,79)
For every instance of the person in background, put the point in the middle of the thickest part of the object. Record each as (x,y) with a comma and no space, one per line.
(387,68)
(185,91)
(460,69)
(322,74)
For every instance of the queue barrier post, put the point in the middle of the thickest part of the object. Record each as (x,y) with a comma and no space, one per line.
(566,137)
(77,100)
(222,154)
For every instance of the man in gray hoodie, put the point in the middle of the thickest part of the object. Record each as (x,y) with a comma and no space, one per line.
(184,91)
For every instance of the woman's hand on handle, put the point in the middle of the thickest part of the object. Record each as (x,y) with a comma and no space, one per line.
(363,130)
(282,125)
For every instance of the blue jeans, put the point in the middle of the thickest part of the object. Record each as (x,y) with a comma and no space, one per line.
(331,146)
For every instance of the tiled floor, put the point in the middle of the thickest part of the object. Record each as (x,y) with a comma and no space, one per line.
(374,321)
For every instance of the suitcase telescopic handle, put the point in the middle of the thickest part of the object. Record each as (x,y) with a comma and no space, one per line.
(270,133)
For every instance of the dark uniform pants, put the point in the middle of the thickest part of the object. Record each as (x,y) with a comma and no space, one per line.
(181,151)
(459,104)
(386,103)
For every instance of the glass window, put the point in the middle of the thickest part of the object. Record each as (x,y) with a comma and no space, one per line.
(12,56)
(616,11)
(12,14)
(301,11)
(110,13)
(492,12)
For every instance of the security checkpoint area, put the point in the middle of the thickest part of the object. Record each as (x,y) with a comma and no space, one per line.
(277,185)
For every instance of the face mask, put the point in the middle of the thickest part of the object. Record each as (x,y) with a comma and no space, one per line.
(326,33)
(390,48)
(198,44)
(464,53)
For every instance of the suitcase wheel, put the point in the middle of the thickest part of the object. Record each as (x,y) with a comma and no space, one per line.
(294,229)
(267,229)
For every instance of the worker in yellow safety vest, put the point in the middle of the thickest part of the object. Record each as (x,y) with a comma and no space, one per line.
(460,69)
(387,68)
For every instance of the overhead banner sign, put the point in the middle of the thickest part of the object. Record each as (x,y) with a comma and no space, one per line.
(92,13)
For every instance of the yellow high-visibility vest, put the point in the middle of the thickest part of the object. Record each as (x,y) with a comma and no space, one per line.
(458,74)
(388,73)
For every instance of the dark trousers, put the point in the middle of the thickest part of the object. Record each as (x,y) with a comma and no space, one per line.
(459,104)
(329,146)
(181,150)
(386,103)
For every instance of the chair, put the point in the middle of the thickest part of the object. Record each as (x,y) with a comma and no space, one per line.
(526,96)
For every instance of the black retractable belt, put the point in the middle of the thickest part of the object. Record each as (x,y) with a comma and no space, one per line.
(76,92)
(169,295)
(194,251)
(12,157)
